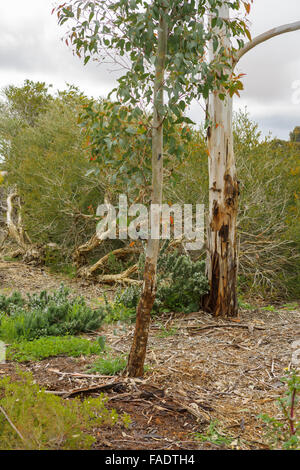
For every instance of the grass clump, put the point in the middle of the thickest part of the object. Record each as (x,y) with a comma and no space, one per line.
(47,314)
(109,365)
(47,422)
(51,346)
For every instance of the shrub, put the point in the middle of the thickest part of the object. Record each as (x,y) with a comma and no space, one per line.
(47,314)
(181,282)
(9,304)
(50,346)
(117,311)
(47,422)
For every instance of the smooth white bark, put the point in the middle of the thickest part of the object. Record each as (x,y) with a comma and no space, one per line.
(272,33)
(223,197)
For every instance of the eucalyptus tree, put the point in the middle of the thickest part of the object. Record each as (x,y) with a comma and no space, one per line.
(162,46)
(222,246)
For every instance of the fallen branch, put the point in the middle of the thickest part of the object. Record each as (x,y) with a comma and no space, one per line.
(95,388)
(81,250)
(120,252)
(226,325)
(122,278)
(203,417)
(78,374)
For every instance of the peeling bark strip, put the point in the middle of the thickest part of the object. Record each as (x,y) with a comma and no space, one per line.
(223,204)
(135,366)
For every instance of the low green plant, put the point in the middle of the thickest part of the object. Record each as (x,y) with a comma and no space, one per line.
(117,311)
(50,346)
(214,435)
(47,314)
(109,365)
(115,265)
(269,308)
(291,306)
(166,332)
(42,421)
(244,305)
(283,433)
(181,282)
(56,261)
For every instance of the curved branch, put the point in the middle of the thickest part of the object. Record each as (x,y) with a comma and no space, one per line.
(287,28)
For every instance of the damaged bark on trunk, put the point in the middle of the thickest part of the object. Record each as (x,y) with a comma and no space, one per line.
(222,257)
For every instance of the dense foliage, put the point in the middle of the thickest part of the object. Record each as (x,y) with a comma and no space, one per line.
(47,314)
(181,283)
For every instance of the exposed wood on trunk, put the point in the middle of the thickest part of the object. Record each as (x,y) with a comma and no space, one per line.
(135,366)
(29,251)
(222,260)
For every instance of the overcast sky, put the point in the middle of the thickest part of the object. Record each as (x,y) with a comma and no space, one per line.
(30,47)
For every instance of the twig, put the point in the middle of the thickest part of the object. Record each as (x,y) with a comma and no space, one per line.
(228,363)
(12,424)
(226,325)
(77,374)
(204,417)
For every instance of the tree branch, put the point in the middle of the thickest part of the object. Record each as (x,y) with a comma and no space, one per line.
(287,28)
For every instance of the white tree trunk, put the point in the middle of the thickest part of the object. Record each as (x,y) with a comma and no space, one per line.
(222,259)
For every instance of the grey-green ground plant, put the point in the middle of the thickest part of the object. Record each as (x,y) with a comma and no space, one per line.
(47,314)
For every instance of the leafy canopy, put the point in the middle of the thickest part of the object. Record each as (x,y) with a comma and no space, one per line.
(126,33)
